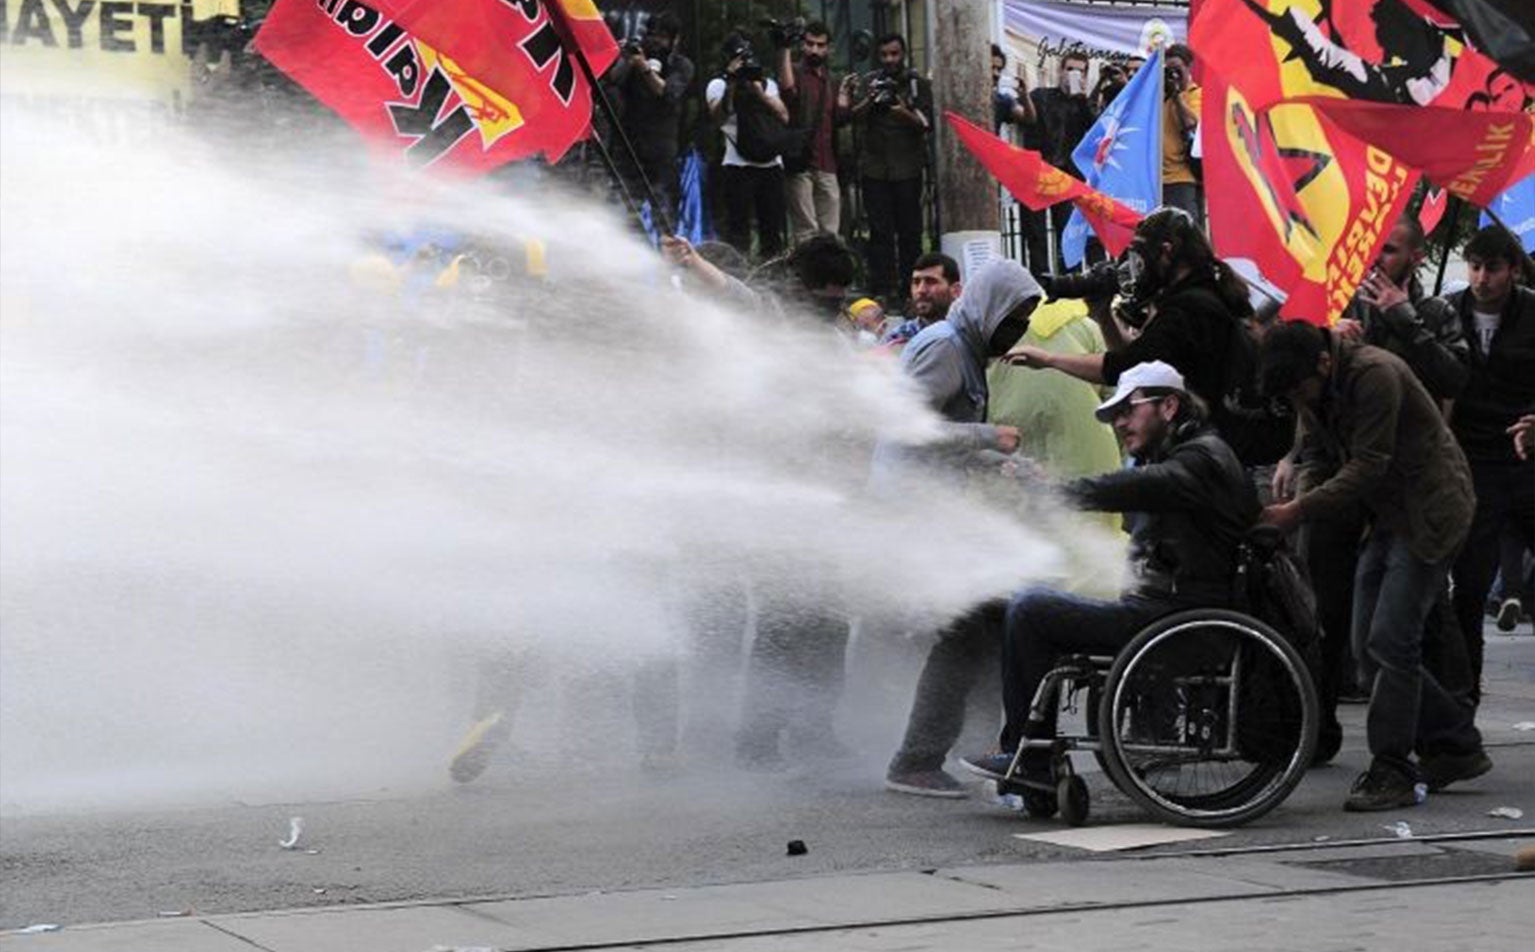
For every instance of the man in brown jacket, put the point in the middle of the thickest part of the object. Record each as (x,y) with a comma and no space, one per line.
(1401,462)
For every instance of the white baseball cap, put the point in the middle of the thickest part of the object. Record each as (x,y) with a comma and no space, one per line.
(1154,373)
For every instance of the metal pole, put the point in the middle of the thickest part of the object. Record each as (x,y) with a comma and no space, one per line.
(1449,238)
(660,217)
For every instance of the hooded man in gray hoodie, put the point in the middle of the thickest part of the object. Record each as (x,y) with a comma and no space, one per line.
(948,362)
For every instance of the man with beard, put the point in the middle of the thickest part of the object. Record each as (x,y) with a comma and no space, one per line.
(934,286)
(817,103)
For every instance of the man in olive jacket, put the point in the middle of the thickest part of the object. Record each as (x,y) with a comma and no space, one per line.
(1400,460)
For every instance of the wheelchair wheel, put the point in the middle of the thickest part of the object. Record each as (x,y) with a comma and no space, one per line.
(1208,718)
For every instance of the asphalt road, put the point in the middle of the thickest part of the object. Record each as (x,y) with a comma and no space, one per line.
(590,821)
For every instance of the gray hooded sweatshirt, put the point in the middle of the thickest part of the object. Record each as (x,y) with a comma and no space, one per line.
(948,362)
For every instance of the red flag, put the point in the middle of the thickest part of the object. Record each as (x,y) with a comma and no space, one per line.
(1038,184)
(406,98)
(1309,204)
(512,46)
(1381,72)
(581,24)
(1432,210)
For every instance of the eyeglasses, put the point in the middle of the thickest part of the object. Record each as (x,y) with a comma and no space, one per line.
(1128,407)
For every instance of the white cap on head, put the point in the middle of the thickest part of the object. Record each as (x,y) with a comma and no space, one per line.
(1153,373)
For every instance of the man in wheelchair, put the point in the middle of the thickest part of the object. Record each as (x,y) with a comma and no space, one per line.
(1189,504)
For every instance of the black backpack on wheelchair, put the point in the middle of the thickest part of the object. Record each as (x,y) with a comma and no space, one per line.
(1271,585)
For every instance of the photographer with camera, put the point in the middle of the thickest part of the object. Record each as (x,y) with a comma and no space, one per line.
(650,79)
(818,105)
(894,113)
(1180,117)
(753,119)
(1062,116)
(1010,102)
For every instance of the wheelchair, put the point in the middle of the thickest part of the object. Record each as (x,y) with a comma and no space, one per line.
(1207,718)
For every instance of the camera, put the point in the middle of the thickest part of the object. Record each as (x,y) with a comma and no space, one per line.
(785,36)
(750,69)
(632,47)
(884,89)
(1174,79)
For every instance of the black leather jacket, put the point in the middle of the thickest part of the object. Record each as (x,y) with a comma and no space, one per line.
(1189,506)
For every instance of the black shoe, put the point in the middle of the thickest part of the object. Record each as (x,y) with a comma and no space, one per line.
(1382,787)
(1508,614)
(1441,770)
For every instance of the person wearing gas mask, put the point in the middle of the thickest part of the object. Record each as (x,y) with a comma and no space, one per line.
(1192,307)
(894,111)
(818,103)
(650,79)
(1062,116)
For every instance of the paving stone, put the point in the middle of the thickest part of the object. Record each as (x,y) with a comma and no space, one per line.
(399,929)
(172,935)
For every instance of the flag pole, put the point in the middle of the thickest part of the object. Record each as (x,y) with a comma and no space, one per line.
(1449,238)
(623,186)
(661,217)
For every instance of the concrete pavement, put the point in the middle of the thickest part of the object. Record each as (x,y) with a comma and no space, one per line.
(1288,888)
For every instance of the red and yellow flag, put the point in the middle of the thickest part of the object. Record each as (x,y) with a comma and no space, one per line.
(1038,184)
(1382,71)
(514,47)
(581,23)
(410,101)
(1309,204)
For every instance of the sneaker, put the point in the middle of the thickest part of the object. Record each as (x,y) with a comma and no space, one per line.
(1381,788)
(926,783)
(474,752)
(993,766)
(1441,770)
(1508,614)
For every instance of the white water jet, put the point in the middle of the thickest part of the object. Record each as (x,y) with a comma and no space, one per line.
(258,517)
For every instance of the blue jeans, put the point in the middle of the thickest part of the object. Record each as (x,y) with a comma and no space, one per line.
(1042,625)
(1409,709)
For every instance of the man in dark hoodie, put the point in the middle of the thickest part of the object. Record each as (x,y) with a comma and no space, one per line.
(947,360)
(1191,503)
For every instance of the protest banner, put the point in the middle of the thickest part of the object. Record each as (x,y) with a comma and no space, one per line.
(82,52)
(1037,32)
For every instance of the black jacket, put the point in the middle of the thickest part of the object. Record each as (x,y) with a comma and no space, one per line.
(1501,385)
(1423,332)
(1207,343)
(1190,505)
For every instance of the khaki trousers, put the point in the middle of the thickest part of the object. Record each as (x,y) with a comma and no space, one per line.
(815,203)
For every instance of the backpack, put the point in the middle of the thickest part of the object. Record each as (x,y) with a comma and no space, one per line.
(763,137)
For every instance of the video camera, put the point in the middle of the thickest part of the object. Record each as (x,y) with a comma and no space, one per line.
(751,68)
(885,88)
(785,36)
